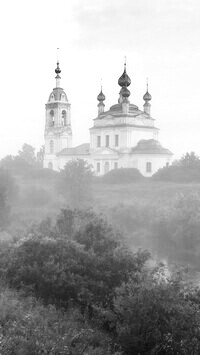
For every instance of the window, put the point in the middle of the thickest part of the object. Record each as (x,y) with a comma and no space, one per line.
(148,167)
(106,167)
(98,168)
(107,141)
(64,118)
(116,140)
(51,120)
(98,141)
(116,165)
(51,146)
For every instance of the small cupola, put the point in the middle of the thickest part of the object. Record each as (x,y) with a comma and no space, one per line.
(147,98)
(101,97)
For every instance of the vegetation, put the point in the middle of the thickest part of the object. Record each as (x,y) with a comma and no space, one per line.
(122,176)
(80,263)
(187,169)
(81,281)
(76,182)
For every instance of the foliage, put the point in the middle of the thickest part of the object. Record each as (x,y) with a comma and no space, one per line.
(188,160)
(8,185)
(128,301)
(155,315)
(40,157)
(15,164)
(27,154)
(62,264)
(76,182)
(27,327)
(8,194)
(187,169)
(122,176)
(4,211)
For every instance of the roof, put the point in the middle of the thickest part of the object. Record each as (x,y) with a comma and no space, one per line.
(82,149)
(117,109)
(150,146)
(123,125)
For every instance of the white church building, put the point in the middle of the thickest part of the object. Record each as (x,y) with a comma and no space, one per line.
(122,137)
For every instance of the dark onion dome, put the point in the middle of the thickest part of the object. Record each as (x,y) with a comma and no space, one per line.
(57,70)
(101,96)
(125,92)
(147,96)
(124,80)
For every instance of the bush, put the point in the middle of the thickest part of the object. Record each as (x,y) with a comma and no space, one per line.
(122,176)
(68,264)
(28,327)
(178,174)
(186,169)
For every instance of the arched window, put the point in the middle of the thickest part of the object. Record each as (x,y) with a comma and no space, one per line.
(64,118)
(106,167)
(50,165)
(51,147)
(51,119)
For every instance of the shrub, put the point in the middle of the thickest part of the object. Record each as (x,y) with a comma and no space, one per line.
(28,327)
(122,176)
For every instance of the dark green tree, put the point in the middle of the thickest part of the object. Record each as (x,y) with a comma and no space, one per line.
(28,154)
(40,157)
(76,183)
(155,315)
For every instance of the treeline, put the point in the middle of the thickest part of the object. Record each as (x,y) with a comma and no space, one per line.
(98,297)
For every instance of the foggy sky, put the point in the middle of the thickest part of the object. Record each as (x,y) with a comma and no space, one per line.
(160,39)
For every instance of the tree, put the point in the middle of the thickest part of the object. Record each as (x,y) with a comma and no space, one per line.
(8,185)
(40,157)
(186,169)
(28,154)
(4,210)
(68,263)
(76,182)
(156,315)
(188,160)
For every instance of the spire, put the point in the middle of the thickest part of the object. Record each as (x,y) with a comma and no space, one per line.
(101,97)
(125,64)
(147,97)
(57,71)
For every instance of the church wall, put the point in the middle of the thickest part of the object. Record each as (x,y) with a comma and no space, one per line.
(105,163)
(128,136)
(157,162)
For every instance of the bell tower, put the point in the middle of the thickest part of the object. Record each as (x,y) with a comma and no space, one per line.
(58,132)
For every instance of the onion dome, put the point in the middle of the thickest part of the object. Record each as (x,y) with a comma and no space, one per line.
(147,96)
(101,96)
(124,79)
(125,92)
(57,70)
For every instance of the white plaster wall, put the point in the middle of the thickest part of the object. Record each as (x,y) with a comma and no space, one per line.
(137,161)
(128,136)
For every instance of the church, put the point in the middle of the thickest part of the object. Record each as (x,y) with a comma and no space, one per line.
(122,137)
